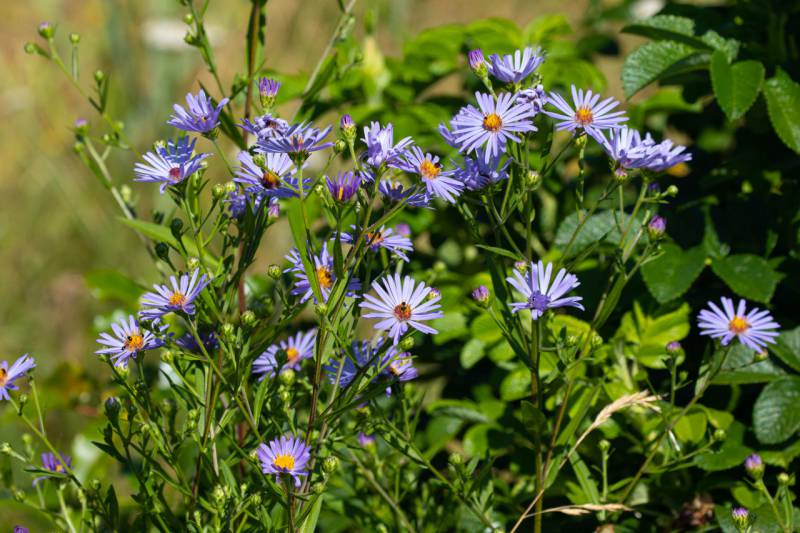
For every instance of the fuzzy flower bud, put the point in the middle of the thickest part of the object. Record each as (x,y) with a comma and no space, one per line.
(482,296)
(46,30)
(268,92)
(348,128)
(330,464)
(674,348)
(754,466)
(532,180)
(227,330)
(656,227)
(249,319)
(741,518)
(477,63)
(274,271)
(407,343)
(339,146)
(287,376)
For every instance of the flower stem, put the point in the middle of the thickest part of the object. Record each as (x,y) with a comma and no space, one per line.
(536,398)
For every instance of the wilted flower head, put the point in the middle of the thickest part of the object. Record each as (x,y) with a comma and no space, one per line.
(324,272)
(129,340)
(201,117)
(381,148)
(298,348)
(58,465)
(178,296)
(344,186)
(591,116)
(541,291)
(9,375)
(170,164)
(286,455)
(438,182)
(513,68)
(754,329)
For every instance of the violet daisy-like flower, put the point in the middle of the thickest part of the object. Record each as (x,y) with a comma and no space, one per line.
(478,173)
(364,353)
(9,375)
(298,141)
(475,59)
(129,340)
(401,304)
(385,238)
(284,456)
(170,164)
(21,529)
(439,183)
(344,186)
(275,178)
(381,148)
(201,116)
(57,465)
(188,342)
(535,97)
(365,441)
(515,68)
(541,291)
(394,191)
(665,154)
(491,126)
(298,348)
(265,127)
(755,329)
(398,365)
(324,271)
(589,114)
(179,295)
(626,147)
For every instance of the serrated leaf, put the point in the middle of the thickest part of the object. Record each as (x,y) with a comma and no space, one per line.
(671,274)
(783,104)
(749,276)
(775,414)
(736,87)
(662,27)
(787,348)
(652,61)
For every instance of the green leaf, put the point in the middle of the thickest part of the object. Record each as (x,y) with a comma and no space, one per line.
(460,409)
(450,326)
(672,273)
(157,232)
(472,352)
(593,230)
(663,27)
(775,413)
(516,384)
(499,251)
(749,276)
(656,60)
(739,368)
(736,87)
(650,335)
(787,348)
(485,329)
(111,285)
(730,455)
(692,426)
(783,105)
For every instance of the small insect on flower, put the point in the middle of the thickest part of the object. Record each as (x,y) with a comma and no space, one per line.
(381,148)
(9,375)
(515,68)
(438,182)
(540,293)
(298,348)
(170,164)
(265,127)
(128,341)
(272,178)
(478,173)
(401,304)
(178,296)
(394,191)
(385,238)
(201,117)
(299,141)
(284,456)
(344,186)
(58,465)
(754,329)
(324,271)
(491,126)
(588,115)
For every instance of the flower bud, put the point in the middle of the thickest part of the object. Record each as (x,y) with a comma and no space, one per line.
(46,30)
(74,38)
(19,497)
(763,355)
(260,161)
(23,399)
(80,127)
(784,478)
(249,319)
(112,407)
(604,446)
(482,296)
(274,271)
(318,488)
(656,227)
(95,484)
(339,146)
(330,464)
(674,348)
(218,191)
(188,19)
(227,330)
(192,263)
(532,180)
(439,266)
(580,141)
(321,309)
(434,294)
(621,175)
(162,251)
(218,494)
(406,344)
(230,187)
(754,466)
(521,266)
(741,518)
(455,459)
(571,340)
(284,396)
(477,63)
(256,499)
(287,377)
(176,225)
(99,76)
(348,128)
(596,341)
(268,93)
(720,435)
(672,190)
(30,48)
(5,448)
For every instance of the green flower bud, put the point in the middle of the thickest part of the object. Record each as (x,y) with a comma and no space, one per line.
(23,399)
(19,496)
(95,484)
(532,180)
(112,407)
(74,38)
(318,488)
(339,146)
(763,355)
(99,76)
(672,190)
(127,193)
(784,478)
(604,446)
(321,309)
(571,340)
(188,19)
(192,263)
(176,225)
(227,330)
(439,267)
(330,464)
(720,435)
(249,319)
(30,48)
(287,376)
(46,30)
(162,251)
(407,343)
(274,271)
(230,187)
(218,494)
(218,191)
(256,499)
(455,459)
(597,341)
(5,448)
(580,141)
(260,161)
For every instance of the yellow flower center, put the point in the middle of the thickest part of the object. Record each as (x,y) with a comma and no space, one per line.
(429,169)
(373,239)
(738,325)
(177,299)
(324,277)
(59,467)
(394,370)
(270,180)
(3,377)
(584,116)
(402,311)
(284,461)
(292,353)
(134,342)
(492,122)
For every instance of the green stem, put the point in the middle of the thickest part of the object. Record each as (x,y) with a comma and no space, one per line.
(763,488)
(536,397)
(64,510)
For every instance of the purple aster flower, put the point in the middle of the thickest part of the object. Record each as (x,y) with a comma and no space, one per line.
(481,295)
(298,348)
(364,353)
(478,173)
(754,466)
(540,294)
(324,270)
(385,238)
(755,329)
(188,342)
(588,114)
(491,126)
(403,229)
(399,366)
(9,375)
(170,164)
(179,296)
(626,147)
(401,304)
(517,67)
(344,186)
(741,518)
(298,141)
(535,97)
(20,529)
(265,127)
(202,116)
(268,91)
(439,183)
(287,455)
(366,441)
(57,465)
(674,348)
(665,154)
(476,61)
(394,191)
(129,340)
(273,178)
(656,227)
(381,148)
